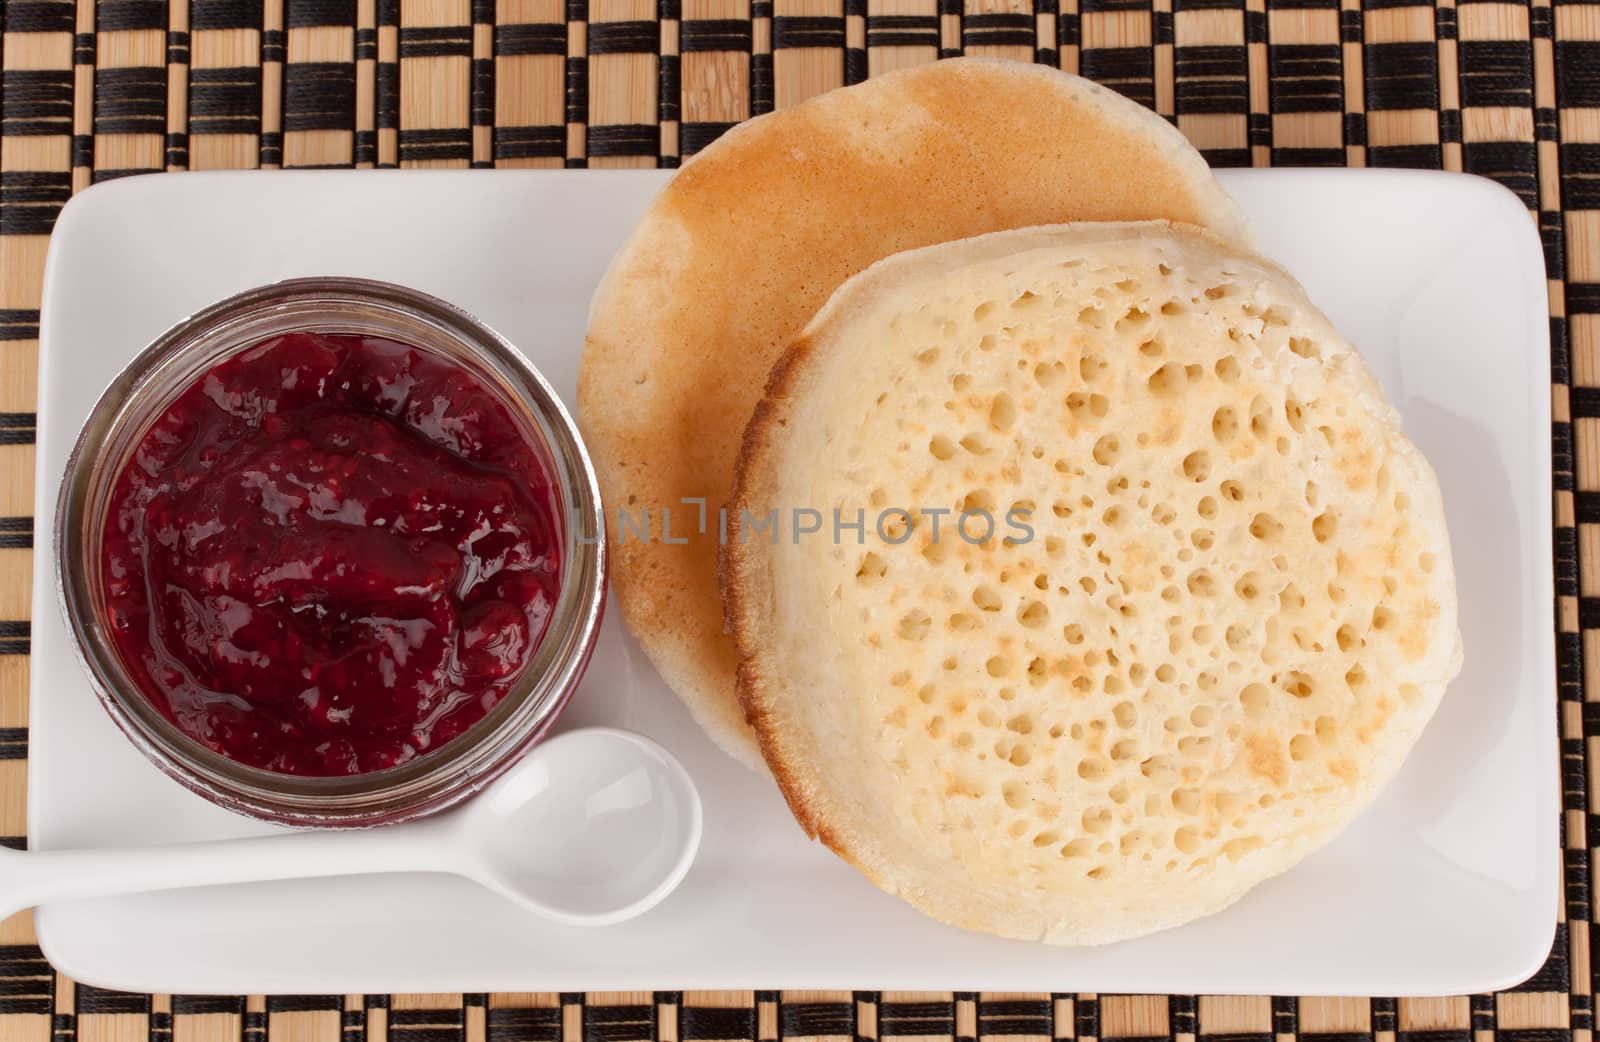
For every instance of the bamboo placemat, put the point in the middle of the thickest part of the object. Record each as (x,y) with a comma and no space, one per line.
(93,91)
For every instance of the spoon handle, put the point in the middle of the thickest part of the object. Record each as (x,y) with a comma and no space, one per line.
(32,878)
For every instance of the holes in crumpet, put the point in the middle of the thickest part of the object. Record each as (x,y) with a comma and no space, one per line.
(1002,412)
(1197,465)
(1224,424)
(914,625)
(872,568)
(1324,525)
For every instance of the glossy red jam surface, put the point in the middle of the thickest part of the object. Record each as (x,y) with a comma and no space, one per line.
(330,555)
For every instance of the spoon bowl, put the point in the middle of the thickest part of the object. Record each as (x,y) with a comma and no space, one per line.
(594,859)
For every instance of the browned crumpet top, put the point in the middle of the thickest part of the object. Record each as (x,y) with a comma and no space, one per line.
(755,233)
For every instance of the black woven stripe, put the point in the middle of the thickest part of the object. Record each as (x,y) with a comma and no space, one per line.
(624,139)
(1181,1012)
(1162,29)
(915,1018)
(1038,1009)
(30,200)
(1436,1035)
(225,14)
(35,102)
(1129,71)
(306,14)
(225,101)
(1285,1014)
(1577,74)
(99,1000)
(177,48)
(619,1023)
(1305,78)
(184,1005)
(274,45)
(1576,885)
(36,1005)
(807,31)
(1068,29)
(1566,561)
(13,743)
(706,1022)
(40,16)
(532,38)
(714,34)
(1450,126)
(1496,72)
(669,92)
(482,113)
(1355,128)
(377,1001)
(1212,79)
(18,428)
(304,1003)
(1588,612)
(443,143)
(1514,164)
(1402,76)
(18,324)
(998,29)
(524,1025)
(407,1018)
(902,30)
(577,73)
(118,15)
(761,82)
(692,137)
(1086,1018)
(102,174)
(1580,176)
(639,37)
(530,142)
(130,101)
(1419,157)
(436,41)
(319,96)
(1583,298)
(23,960)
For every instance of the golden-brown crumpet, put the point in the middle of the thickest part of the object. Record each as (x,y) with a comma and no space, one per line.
(1215,611)
(752,236)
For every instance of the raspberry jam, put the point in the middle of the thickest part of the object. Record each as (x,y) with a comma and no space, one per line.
(330,555)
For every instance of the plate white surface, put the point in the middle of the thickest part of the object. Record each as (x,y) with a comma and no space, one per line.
(1446,885)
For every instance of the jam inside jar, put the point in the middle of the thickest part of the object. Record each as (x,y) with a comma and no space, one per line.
(330,554)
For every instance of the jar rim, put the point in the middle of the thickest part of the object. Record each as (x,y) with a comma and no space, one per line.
(169,365)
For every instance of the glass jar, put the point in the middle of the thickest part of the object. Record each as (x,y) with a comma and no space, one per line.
(163,371)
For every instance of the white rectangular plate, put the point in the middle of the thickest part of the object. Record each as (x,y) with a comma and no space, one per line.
(1448,884)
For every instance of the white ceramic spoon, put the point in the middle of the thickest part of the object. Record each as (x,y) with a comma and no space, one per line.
(592,827)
